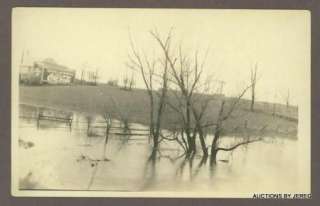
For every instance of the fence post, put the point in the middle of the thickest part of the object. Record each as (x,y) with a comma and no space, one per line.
(70,123)
(107,137)
(38,120)
(89,125)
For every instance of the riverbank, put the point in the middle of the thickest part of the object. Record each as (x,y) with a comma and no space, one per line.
(134,105)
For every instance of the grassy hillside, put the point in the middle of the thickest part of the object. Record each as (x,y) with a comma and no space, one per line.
(135,105)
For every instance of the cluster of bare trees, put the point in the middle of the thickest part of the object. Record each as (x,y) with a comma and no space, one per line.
(185,90)
(147,67)
(128,83)
(89,77)
(113,82)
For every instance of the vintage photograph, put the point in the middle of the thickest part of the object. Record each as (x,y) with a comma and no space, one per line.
(160,102)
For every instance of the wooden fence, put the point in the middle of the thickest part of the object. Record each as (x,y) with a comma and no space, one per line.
(108,126)
(67,120)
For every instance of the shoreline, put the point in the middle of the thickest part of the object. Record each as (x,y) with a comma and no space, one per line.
(134,105)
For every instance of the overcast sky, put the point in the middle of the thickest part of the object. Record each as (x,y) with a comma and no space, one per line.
(279,41)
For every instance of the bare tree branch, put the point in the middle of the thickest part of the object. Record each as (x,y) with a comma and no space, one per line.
(234,104)
(237,145)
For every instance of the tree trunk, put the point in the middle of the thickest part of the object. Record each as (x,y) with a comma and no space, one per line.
(151,126)
(106,140)
(252,98)
(253,87)
(155,143)
(214,151)
(252,105)
(202,142)
(190,139)
(193,141)
(213,156)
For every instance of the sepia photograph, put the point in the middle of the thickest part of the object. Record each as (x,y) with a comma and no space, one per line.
(161,103)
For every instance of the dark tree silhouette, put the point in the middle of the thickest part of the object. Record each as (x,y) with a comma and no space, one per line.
(139,61)
(253,86)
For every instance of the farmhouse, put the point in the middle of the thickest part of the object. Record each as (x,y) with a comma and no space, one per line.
(46,72)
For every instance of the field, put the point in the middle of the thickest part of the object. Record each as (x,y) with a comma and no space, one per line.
(275,119)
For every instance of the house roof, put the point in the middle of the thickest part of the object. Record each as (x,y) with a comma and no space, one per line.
(52,65)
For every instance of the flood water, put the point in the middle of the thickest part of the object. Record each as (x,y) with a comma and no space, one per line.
(53,155)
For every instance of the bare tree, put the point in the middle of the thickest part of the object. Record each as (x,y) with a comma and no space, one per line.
(95,76)
(139,61)
(200,104)
(186,73)
(288,99)
(128,83)
(198,114)
(198,125)
(82,77)
(132,82)
(113,82)
(253,86)
(225,114)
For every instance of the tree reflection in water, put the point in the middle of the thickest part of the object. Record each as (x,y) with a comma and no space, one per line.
(188,167)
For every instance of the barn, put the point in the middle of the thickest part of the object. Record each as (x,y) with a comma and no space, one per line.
(47,72)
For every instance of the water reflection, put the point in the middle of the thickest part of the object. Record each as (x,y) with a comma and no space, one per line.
(77,159)
(149,173)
